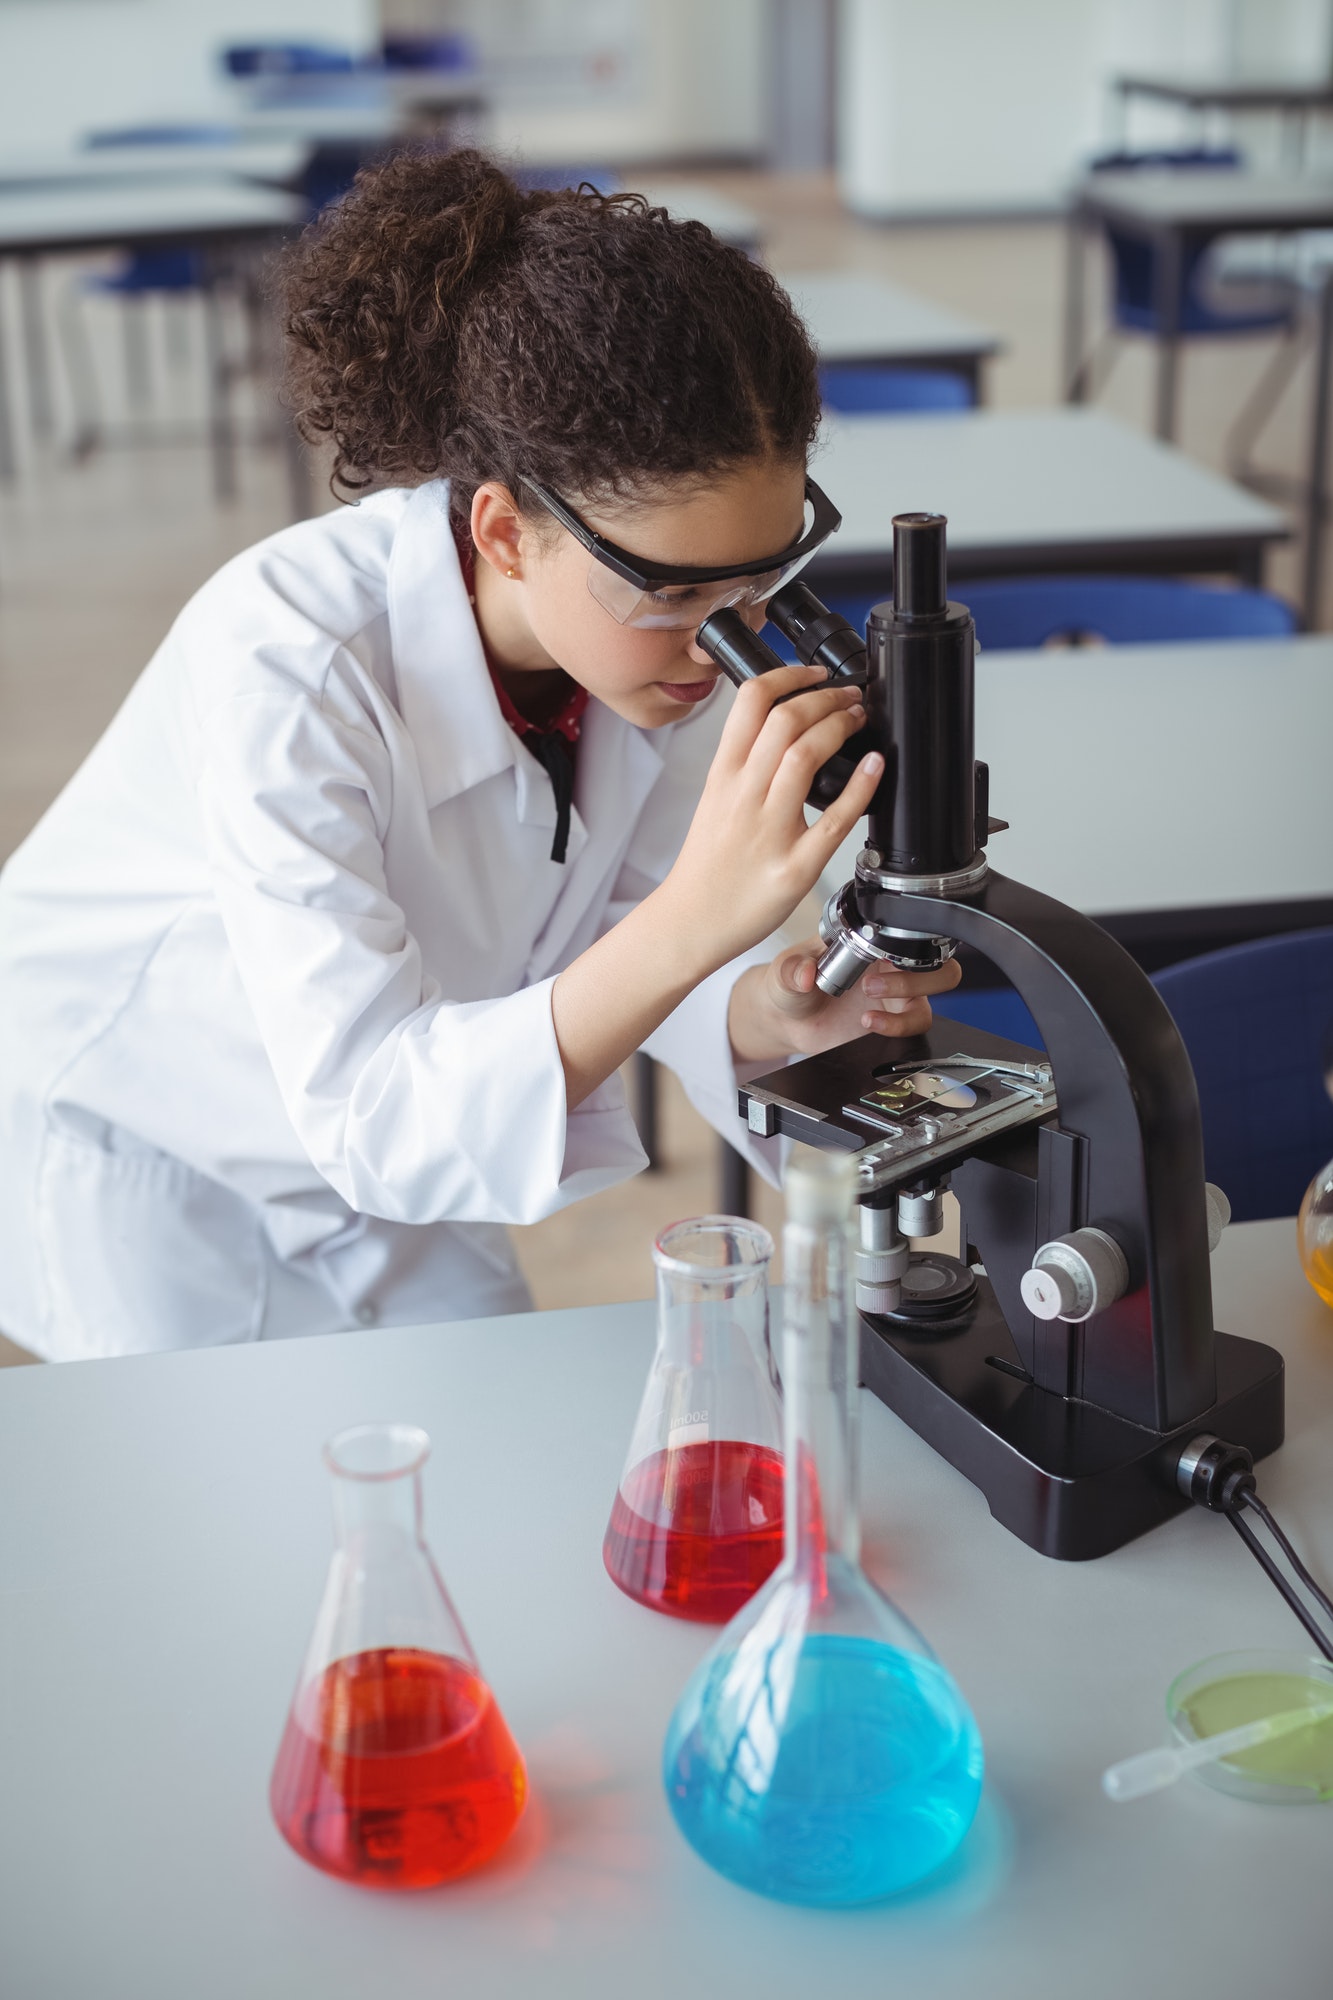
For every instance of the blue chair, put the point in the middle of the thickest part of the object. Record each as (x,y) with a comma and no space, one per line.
(997,1009)
(1121,610)
(860,391)
(1203,309)
(277,59)
(1255,1020)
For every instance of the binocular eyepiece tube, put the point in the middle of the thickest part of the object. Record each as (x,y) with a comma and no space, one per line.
(928,818)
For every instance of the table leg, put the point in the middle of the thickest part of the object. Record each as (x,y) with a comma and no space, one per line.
(645,1107)
(1168,264)
(1311,590)
(41,414)
(221,434)
(733,1180)
(8,465)
(1075,373)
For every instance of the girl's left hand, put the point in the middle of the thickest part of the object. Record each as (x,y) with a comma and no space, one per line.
(777,1010)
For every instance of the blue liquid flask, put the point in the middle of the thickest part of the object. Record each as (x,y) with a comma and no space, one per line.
(820,1753)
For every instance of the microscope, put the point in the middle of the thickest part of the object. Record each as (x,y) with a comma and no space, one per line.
(1066,1361)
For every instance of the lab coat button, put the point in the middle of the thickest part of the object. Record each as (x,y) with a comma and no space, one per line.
(368,1314)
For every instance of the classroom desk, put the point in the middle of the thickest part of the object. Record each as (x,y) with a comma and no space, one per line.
(166,1534)
(217,216)
(865,321)
(688,201)
(1179,794)
(1033,490)
(1177,213)
(1296,99)
(270,162)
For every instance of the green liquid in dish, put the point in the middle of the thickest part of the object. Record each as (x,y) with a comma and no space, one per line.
(1301,1757)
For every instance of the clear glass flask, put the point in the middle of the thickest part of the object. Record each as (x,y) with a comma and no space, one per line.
(820,1753)
(396,1768)
(1314,1224)
(1314,1233)
(697,1522)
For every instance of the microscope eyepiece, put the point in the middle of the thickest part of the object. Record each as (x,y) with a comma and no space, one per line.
(920,577)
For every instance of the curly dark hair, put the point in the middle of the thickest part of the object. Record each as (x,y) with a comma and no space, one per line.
(443,322)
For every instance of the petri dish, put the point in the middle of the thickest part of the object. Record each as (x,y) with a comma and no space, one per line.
(1231,1688)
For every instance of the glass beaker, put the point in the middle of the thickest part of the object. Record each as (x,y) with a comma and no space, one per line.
(697,1522)
(1314,1233)
(396,1767)
(820,1753)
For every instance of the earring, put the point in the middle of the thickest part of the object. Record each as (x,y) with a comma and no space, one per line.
(511,572)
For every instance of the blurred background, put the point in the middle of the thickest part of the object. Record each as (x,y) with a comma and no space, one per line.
(1066,262)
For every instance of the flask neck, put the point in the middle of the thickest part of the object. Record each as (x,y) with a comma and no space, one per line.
(378,1511)
(819,1386)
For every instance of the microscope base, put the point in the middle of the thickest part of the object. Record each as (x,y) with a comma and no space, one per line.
(1069,1479)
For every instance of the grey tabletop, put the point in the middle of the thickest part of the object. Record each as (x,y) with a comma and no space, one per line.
(689,201)
(165,1534)
(273,161)
(1229,93)
(1028,487)
(1139,778)
(91,215)
(853,316)
(1209,200)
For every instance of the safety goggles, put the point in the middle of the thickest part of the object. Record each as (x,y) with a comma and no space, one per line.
(660,597)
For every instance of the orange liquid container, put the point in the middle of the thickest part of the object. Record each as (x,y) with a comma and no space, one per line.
(396,1769)
(695,1531)
(696,1526)
(1314,1233)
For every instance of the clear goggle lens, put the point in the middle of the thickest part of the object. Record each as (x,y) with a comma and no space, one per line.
(683,607)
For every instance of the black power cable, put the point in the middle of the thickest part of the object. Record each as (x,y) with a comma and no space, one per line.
(1220,1476)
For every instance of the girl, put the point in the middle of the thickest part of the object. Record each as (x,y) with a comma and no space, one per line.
(428,812)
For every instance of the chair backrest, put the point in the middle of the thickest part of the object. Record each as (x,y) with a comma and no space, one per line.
(428,51)
(286,59)
(1121,610)
(1255,1020)
(857,391)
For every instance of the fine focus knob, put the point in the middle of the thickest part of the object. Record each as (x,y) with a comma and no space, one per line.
(1075,1276)
(1219,1214)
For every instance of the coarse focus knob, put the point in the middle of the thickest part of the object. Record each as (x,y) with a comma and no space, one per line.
(1219,1214)
(1075,1276)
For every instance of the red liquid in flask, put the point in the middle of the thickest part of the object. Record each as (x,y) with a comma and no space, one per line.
(695,1531)
(397,1769)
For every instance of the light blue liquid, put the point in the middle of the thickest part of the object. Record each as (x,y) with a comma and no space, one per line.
(863,1786)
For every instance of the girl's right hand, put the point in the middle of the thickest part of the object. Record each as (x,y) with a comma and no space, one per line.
(749,856)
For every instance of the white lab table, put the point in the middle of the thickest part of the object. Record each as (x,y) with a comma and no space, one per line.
(99,215)
(1034,490)
(857,319)
(689,201)
(1180,794)
(273,162)
(164,1533)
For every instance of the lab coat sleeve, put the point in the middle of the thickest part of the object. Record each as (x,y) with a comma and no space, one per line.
(694,1041)
(413,1108)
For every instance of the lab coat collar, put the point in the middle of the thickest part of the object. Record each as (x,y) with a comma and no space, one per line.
(445,694)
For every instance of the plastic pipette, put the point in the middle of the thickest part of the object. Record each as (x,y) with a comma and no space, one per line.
(1153,1770)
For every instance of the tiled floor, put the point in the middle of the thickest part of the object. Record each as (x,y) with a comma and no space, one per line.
(96,558)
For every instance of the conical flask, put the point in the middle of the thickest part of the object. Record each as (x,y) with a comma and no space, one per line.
(1314,1224)
(821,1754)
(396,1768)
(697,1522)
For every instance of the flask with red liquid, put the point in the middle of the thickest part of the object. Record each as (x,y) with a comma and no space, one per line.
(697,1521)
(396,1768)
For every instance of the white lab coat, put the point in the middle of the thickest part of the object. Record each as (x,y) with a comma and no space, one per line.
(276,1047)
